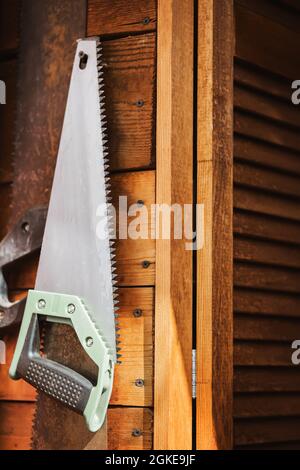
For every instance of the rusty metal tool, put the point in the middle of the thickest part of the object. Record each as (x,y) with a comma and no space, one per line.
(24,238)
(76,280)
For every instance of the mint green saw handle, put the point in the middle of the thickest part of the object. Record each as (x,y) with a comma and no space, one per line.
(57,380)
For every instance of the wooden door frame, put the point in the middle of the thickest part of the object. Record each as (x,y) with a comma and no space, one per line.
(215,192)
(173,417)
(174,264)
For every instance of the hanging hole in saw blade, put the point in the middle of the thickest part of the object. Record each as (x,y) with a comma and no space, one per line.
(83,60)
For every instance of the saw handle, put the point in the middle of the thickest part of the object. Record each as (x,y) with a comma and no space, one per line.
(52,378)
(29,364)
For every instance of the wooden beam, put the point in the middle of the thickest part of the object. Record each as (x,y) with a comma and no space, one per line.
(214,261)
(173,317)
(120,16)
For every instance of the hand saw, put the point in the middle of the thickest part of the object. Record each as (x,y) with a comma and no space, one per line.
(76,277)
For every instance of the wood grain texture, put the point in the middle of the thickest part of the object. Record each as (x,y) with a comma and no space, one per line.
(15,435)
(266,179)
(15,425)
(266,226)
(11,389)
(262,354)
(129,74)
(214,263)
(257,127)
(120,16)
(266,379)
(266,252)
(137,349)
(262,80)
(266,302)
(278,44)
(267,277)
(266,404)
(9,16)
(255,327)
(266,203)
(8,72)
(266,105)
(262,153)
(5,201)
(173,306)
(126,420)
(131,253)
(275,11)
(268,430)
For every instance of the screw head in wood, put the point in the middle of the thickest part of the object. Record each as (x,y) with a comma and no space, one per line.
(137,312)
(139,383)
(136,432)
(139,103)
(146,20)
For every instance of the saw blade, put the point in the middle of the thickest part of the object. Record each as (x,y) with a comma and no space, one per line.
(77,255)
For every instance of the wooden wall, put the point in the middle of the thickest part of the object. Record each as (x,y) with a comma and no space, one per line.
(128,32)
(15,398)
(266,218)
(266,225)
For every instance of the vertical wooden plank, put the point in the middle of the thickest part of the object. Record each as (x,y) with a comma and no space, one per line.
(214,261)
(173,317)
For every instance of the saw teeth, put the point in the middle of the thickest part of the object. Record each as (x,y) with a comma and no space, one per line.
(106,163)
